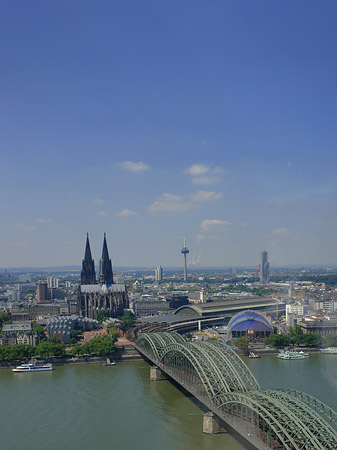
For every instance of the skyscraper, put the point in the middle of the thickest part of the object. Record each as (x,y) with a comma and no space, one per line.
(264,268)
(158,273)
(88,274)
(185,251)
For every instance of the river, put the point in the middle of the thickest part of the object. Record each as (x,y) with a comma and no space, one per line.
(91,406)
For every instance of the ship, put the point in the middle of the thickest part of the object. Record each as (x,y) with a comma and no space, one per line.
(329,350)
(253,355)
(33,366)
(292,355)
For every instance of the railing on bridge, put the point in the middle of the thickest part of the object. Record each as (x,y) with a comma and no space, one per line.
(278,419)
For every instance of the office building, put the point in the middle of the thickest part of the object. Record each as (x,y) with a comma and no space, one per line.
(158,273)
(264,268)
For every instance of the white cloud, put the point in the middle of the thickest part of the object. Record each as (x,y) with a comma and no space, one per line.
(23,227)
(103,213)
(209,224)
(206,196)
(134,166)
(218,170)
(207,180)
(43,220)
(99,201)
(281,232)
(170,203)
(126,213)
(197,169)
(200,237)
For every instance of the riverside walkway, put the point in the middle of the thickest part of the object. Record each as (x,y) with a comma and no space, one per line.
(217,377)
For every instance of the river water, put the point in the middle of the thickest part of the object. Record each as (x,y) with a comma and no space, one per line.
(91,406)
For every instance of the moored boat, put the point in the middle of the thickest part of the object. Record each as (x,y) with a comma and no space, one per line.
(329,350)
(33,366)
(253,355)
(292,355)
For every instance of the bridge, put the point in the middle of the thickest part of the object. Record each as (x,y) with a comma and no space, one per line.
(218,378)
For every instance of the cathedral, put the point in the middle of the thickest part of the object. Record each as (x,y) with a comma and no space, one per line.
(100,293)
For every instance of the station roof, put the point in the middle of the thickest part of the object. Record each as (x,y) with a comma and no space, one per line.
(207,309)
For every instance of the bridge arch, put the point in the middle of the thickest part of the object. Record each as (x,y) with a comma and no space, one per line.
(282,419)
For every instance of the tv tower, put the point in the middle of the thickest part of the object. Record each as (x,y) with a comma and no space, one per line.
(185,251)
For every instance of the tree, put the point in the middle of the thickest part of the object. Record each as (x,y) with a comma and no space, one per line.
(46,349)
(98,346)
(128,318)
(278,340)
(39,330)
(331,340)
(5,318)
(312,340)
(102,315)
(242,343)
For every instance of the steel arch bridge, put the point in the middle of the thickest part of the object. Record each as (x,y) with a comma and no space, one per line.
(216,375)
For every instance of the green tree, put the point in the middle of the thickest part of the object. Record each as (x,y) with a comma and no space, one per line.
(5,318)
(102,315)
(331,340)
(128,318)
(46,349)
(278,340)
(242,343)
(98,346)
(39,329)
(312,340)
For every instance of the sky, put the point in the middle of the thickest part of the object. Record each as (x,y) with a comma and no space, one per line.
(152,121)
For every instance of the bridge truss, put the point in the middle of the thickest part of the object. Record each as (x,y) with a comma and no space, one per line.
(280,419)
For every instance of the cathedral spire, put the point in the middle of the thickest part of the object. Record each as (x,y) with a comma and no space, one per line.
(105,266)
(88,274)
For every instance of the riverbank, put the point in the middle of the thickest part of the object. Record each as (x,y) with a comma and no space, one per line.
(123,353)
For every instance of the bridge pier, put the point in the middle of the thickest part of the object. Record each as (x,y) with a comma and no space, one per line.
(156,374)
(212,424)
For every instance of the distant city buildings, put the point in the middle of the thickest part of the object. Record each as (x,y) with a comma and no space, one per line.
(264,268)
(25,278)
(52,282)
(158,274)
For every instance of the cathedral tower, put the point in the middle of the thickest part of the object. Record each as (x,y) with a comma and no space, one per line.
(105,266)
(88,274)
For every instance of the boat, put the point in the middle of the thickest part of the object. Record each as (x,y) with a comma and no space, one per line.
(292,355)
(253,355)
(33,366)
(109,363)
(329,350)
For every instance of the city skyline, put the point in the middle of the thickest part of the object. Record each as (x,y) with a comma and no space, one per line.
(152,122)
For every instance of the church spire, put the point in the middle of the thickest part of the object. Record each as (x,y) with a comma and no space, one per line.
(105,266)
(88,274)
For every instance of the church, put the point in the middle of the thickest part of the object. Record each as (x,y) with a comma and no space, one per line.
(100,293)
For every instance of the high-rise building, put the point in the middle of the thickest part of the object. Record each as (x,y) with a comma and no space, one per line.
(88,274)
(264,268)
(158,273)
(185,251)
(50,282)
(42,293)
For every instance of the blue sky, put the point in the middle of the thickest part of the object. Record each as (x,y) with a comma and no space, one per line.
(154,120)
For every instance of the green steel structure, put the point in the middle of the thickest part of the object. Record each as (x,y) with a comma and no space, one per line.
(216,375)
